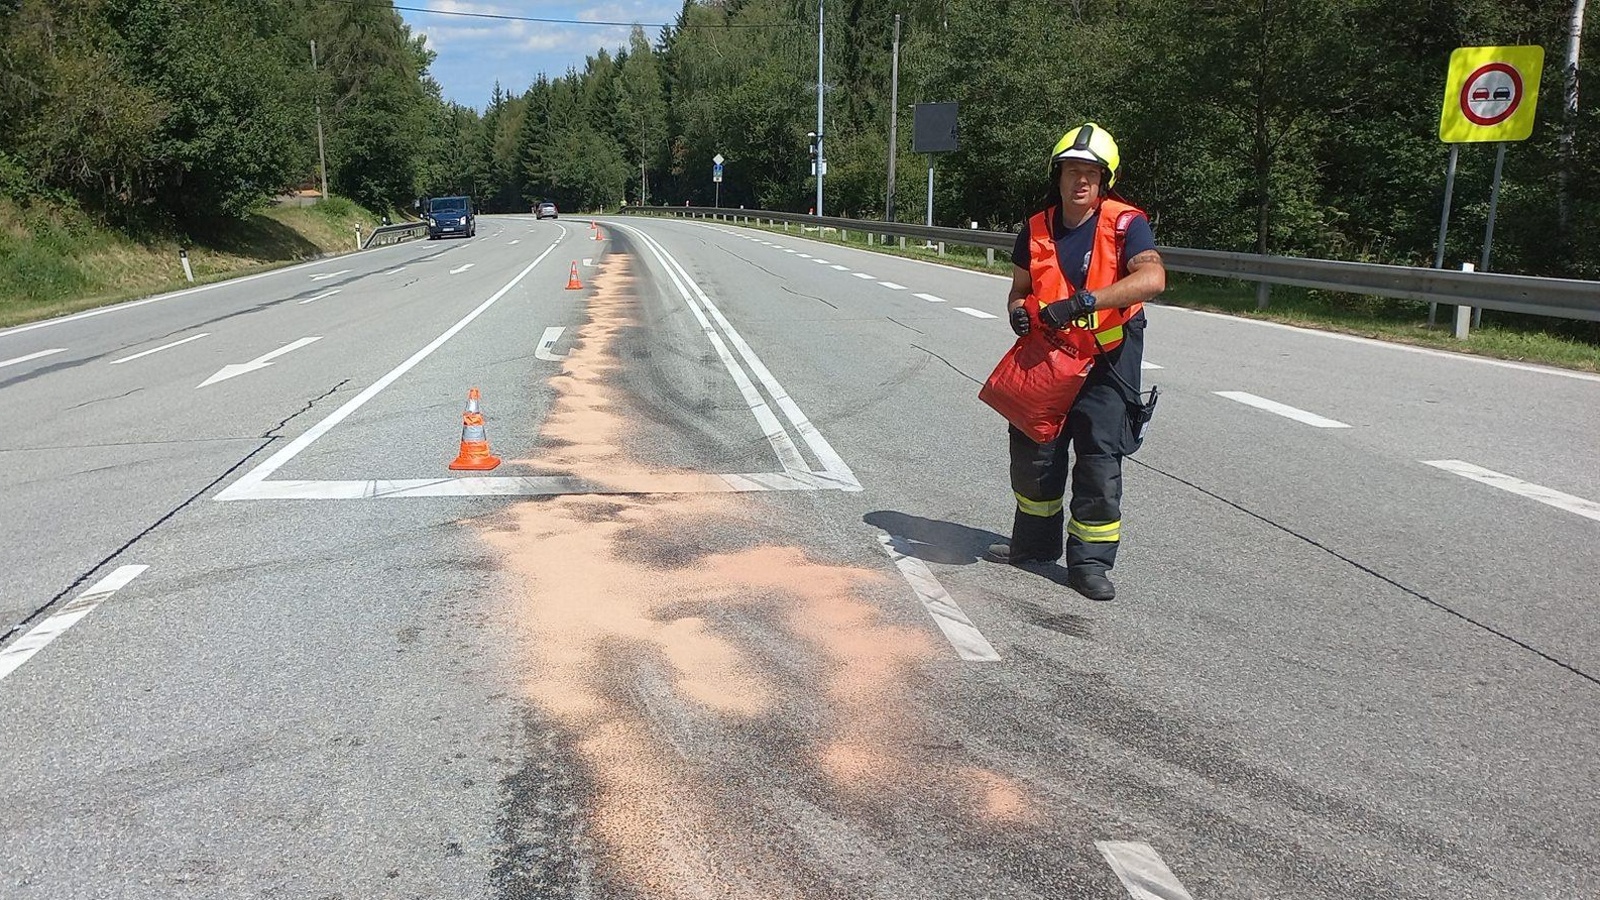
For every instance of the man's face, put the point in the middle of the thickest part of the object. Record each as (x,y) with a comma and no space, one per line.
(1079,183)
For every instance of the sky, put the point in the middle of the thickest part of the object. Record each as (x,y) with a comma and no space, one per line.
(475,52)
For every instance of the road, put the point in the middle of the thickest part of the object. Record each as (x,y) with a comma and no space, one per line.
(718,625)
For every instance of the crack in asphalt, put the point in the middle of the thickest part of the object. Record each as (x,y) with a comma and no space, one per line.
(267,439)
(1484,626)
(953,366)
(193,440)
(101,399)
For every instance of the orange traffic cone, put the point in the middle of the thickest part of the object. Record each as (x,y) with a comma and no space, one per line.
(573,284)
(597,231)
(475,455)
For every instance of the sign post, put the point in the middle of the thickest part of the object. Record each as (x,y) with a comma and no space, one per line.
(933,130)
(1489,97)
(716,177)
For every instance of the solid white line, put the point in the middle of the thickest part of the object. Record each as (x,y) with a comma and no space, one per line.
(865,276)
(931,298)
(1548,496)
(277,460)
(1148,365)
(458,270)
(1273,406)
(131,304)
(326,275)
(42,634)
(319,297)
(892,286)
(976,313)
(969,642)
(529,486)
(23,359)
(193,337)
(1407,348)
(548,342)
(1141,871)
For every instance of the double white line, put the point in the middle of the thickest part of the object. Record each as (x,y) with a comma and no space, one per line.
(834,473)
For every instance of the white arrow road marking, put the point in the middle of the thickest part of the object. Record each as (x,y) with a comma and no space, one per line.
(1273,406)
(892,286)
(1548,496)
(460,269)
(193,337)
(1148,365)
(548,343)
(50,629)
(969,642)
(319,297)
(395,271)
(589,261)
(1141,870)
(23,359)
(976,313)
(260,362)
(931,298)
(326,275)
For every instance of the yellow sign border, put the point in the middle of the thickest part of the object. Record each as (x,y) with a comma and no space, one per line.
(1456,128)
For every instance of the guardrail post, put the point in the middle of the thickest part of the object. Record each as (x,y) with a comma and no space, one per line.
(1263,294)
(1464,313)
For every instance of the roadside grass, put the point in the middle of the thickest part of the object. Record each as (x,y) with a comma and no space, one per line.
(1531,339)
(56,261)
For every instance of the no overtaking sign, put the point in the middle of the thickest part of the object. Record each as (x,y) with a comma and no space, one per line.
(1490,94)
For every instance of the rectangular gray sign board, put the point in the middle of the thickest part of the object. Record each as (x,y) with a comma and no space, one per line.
(934,128)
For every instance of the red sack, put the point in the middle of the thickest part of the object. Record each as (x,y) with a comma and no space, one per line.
(1035,383)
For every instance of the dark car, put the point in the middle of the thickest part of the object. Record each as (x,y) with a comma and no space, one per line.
(546,210)
(1502,93)
(451,215)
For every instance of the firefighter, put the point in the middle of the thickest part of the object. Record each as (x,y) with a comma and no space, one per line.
(1090,262)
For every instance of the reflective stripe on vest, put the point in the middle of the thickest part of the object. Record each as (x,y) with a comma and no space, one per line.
(1105,264)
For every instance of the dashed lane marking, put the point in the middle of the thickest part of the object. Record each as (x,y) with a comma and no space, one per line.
(1141,871)
(42,634)
(1282,409)
(931,298)
(976,313)
(192,337)
(969,642)
(1548,496)
(892,286)
(320,296)
(31,356)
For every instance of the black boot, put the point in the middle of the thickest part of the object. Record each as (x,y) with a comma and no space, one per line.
(1001,553)
(1091,583)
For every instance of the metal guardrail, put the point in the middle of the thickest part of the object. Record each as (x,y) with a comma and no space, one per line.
(1562,298)
(394,234)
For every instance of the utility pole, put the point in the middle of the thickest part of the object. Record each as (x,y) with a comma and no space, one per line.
(1569,112)
(822,159)
(322,156)
(894,115)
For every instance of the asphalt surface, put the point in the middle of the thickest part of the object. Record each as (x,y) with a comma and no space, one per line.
(1333,669)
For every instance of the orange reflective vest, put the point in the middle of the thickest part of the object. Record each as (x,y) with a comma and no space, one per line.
(1105,266)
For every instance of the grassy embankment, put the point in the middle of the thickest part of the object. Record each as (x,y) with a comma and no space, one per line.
(55,261)
(1573,345)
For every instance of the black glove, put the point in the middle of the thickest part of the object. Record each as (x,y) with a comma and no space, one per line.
(1062,313)
(1019,321)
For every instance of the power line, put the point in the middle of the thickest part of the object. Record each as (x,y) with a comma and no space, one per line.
(507,17)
